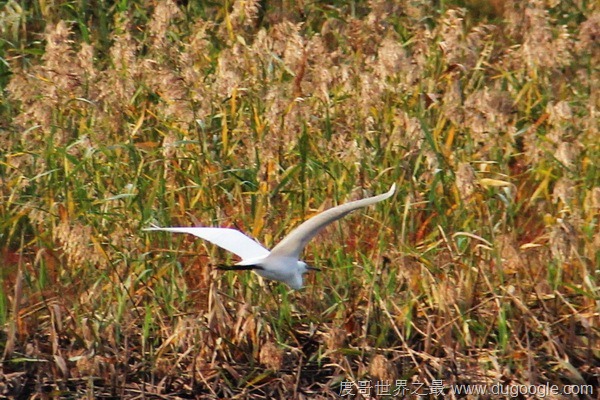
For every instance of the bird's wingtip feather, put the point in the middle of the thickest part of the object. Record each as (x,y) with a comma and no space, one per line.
(152,227)
(391,191)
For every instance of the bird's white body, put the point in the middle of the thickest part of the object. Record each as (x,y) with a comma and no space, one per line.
(282,263)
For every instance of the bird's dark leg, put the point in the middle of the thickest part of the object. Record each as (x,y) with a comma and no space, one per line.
(238,267)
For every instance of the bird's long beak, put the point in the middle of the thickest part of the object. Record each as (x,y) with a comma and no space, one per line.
(313,269)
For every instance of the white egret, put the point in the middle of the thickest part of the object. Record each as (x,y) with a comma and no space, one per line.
(282,263)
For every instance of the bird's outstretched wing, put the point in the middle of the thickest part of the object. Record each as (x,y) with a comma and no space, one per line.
(229,239)
(294,243)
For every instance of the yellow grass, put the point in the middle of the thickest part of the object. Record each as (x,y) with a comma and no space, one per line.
(482,269)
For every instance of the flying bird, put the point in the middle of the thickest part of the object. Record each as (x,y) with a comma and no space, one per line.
(282,263)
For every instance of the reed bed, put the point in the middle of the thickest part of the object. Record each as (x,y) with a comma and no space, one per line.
(482,269)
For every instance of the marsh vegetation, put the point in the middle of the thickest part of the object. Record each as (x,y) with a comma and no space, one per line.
(483,268)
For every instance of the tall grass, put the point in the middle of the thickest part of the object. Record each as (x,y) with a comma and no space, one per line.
(483,268)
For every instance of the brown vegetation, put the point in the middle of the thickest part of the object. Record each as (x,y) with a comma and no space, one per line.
(482,269)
